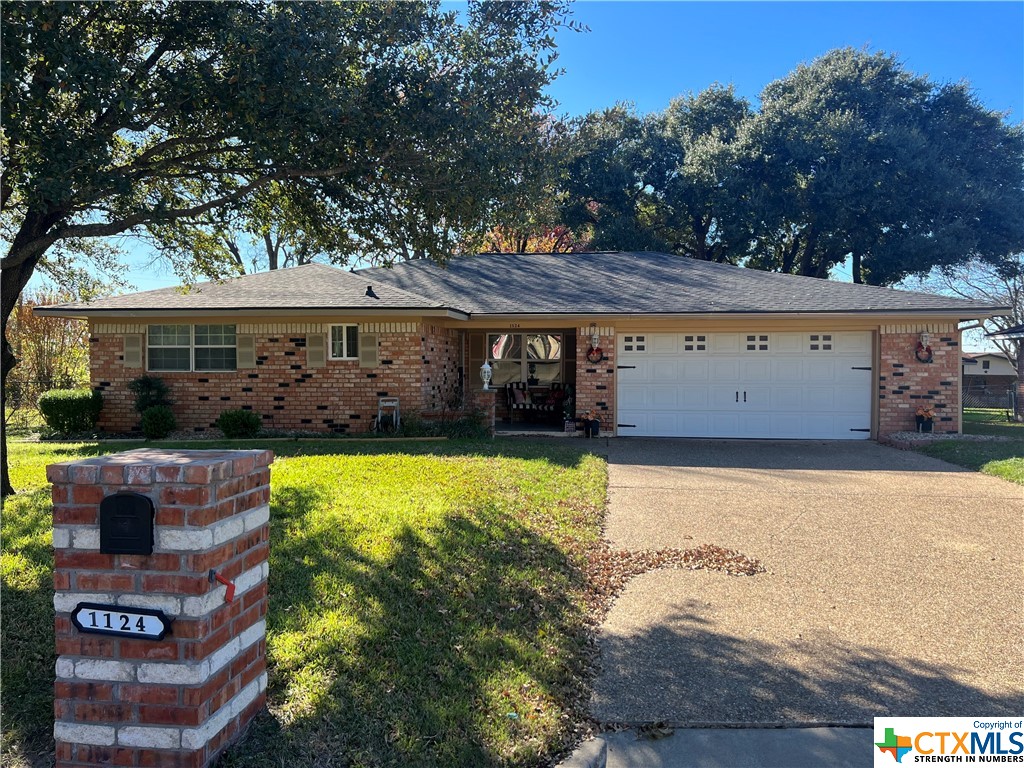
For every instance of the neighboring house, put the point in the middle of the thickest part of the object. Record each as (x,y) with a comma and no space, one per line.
(683,347)
(992,372)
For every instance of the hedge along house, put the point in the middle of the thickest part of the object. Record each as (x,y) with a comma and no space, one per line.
(658,344)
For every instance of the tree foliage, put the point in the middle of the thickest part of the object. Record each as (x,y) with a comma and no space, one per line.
(859,158)
(393,126)
(850,157)
(54,354)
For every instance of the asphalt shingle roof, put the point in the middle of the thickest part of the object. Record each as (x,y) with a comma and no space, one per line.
(311,286)
(641,282)
(508,284)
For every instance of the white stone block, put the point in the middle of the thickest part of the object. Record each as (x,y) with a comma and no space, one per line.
(65,668)
(224,655)
(196,738)
(183,539)
(257,517)
(61,537)
(226,530)
(249,579)
(148,737)
(76,733)
(169,605)
(177,674)
(253,634)
(85,538)
(104,669)
(66,602)
(197,607)
(244,698)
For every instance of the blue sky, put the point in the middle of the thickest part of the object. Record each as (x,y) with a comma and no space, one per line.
(648,52)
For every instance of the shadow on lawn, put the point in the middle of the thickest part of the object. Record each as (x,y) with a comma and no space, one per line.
(26,630)
(399,656)
(704,675)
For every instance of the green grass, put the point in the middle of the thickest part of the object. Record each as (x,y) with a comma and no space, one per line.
(991,421)
(1003,458)
(425,603)
(1000,458)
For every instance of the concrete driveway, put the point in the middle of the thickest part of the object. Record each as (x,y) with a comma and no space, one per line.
(894,586)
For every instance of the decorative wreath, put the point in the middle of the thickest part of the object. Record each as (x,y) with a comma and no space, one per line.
(923,353)
(595,355)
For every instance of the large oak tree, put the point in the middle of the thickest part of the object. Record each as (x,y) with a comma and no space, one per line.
(848,158)
(392,126)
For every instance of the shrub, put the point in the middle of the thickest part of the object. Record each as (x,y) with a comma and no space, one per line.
(150,391)
(158,422)
(239,424)
(71,410)
(470,426)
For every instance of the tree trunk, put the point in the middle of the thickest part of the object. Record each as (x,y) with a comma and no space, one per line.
(807,266)
(857,277)
(272,251)
(789,255)
(20,263)
(700,238)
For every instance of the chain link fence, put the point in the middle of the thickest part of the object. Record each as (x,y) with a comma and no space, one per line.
(998,398)
(21,399)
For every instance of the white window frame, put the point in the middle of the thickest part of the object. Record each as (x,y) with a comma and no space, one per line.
(347,353)
(215,346)
(150,345)
(191,350)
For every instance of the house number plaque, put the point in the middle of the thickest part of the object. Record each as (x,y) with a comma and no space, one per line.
(138,623)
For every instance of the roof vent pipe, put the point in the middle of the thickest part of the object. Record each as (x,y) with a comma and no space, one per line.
(370,293)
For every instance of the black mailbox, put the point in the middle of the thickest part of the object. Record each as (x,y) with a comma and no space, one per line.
(126,525)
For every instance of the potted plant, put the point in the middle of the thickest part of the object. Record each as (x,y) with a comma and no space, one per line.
(925,418)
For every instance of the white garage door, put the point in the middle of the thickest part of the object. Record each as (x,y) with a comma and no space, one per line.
(768,385)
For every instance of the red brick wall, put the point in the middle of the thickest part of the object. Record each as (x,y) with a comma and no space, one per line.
(180,700)
(595,382)
(338,397)
(906,383)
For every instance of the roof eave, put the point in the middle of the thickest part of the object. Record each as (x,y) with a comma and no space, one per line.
(960,314)
(78,313)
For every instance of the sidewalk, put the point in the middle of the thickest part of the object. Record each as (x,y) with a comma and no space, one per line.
(729,748)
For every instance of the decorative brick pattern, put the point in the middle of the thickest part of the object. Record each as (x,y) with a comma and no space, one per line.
(595,382)
(339,397)
(905,383)
(442,388)
(183,699)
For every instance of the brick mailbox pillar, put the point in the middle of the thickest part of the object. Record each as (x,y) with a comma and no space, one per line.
(156,666)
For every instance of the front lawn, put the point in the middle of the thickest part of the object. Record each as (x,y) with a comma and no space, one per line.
(1001,458)
(426,603)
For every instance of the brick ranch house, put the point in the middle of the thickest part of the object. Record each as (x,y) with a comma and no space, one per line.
(659,345)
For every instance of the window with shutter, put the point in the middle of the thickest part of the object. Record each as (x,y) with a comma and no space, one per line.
(133,350)
(367,350)
(246,353)
(316,350)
